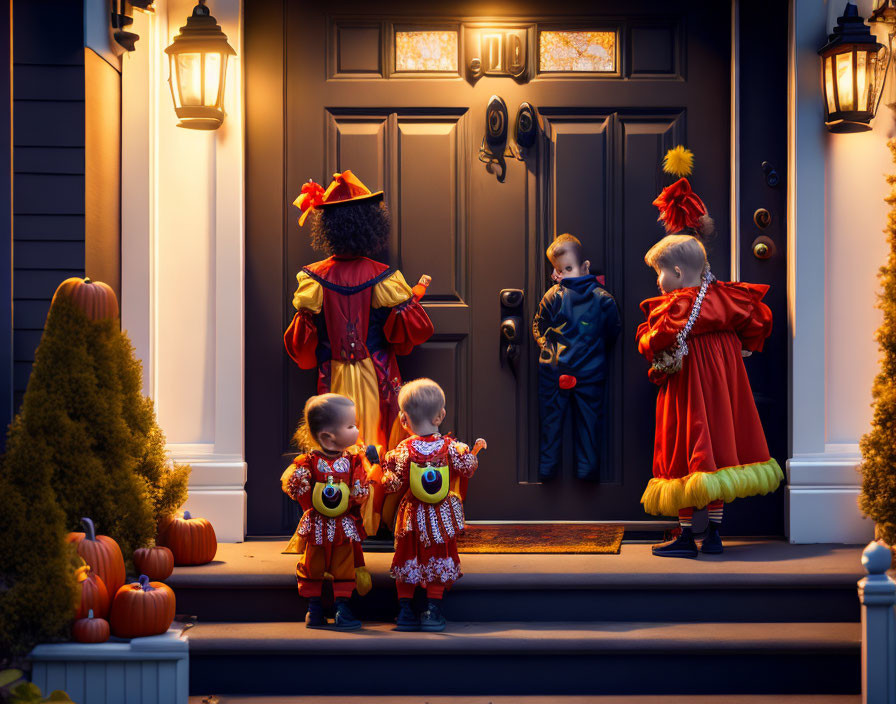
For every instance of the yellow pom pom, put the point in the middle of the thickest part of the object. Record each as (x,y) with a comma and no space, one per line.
(679,161)
(363,582)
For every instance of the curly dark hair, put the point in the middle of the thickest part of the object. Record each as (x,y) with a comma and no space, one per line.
(354,230)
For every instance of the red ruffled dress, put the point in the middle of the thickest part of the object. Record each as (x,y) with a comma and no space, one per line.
(426,533)
(709,443)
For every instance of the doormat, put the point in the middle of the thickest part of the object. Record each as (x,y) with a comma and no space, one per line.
(554,538)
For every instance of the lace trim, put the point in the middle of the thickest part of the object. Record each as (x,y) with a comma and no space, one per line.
(441,570)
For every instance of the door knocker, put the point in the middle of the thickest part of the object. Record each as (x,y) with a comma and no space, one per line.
(494,145)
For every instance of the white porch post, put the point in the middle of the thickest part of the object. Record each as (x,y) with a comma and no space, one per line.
(182,264)
(835,217)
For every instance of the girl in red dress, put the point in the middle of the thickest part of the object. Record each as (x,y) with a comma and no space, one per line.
(432,469)
(709,446)
(330,483)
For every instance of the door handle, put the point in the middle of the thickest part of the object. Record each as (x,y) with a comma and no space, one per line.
(512,329)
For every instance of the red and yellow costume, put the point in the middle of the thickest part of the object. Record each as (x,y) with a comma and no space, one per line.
(330,531)
(430,516)
(353,316)
(709,442)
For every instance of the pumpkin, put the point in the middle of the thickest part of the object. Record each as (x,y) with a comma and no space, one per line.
(192,540)
(156,563)
(94,595)
(102,554)
(96,299)
(141,609)
(90,629)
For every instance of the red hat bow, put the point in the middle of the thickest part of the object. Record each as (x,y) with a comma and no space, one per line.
(680,208)
(311,196)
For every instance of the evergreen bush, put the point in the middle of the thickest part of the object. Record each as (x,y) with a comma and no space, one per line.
(84,443)
(878,498)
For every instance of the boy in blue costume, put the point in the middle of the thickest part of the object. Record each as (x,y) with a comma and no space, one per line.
(576,322)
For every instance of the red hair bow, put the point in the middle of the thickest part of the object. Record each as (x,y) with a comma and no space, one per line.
(680,208)
(311,196)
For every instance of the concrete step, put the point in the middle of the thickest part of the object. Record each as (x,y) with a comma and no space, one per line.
(752,581)
(526,658)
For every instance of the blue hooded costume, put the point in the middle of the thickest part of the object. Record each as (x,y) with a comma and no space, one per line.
(574,326)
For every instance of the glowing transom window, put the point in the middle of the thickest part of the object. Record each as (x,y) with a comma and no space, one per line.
(593,52)
(426,51)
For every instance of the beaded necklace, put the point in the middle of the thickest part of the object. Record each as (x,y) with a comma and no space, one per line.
(671,362)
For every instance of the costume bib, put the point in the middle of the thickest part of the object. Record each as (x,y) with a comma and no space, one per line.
(429,484)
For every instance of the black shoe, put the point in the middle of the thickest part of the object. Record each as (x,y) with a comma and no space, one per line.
(682,546)
(345,619)
(407,620)
(712,542)
(432,620)
(315,616)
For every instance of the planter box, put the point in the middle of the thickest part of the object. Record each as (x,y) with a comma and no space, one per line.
(153,670)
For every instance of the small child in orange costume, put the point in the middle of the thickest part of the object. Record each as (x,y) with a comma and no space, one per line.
(433,470)
(330,483)
(709,446)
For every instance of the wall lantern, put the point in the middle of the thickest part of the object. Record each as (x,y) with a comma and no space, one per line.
(198,58)
(853,72)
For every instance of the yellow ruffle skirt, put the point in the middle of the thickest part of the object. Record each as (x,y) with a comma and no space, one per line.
(664,497)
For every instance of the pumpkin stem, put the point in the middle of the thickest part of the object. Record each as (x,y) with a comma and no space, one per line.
(89,528)
(187,516)
(87,280)
(89,613)
(144,583)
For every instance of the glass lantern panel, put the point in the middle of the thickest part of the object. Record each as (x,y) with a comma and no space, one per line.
(189,79)
(212,80)
(426,51)
(582,51)
(844,80)
(865,62)
(829,84)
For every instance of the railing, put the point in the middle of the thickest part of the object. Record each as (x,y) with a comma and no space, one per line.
(877,594)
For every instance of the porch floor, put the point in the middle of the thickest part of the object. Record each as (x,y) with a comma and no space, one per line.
(745,563)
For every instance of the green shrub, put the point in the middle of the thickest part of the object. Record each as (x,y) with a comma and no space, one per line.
(878,498)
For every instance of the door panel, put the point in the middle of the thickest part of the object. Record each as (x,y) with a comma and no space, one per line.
(594,172)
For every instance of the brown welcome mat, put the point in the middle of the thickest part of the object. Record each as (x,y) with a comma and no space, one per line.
(568,538)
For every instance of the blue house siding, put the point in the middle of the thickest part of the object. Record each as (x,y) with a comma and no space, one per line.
(48,166)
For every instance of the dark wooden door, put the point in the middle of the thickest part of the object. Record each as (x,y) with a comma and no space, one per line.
(327,92)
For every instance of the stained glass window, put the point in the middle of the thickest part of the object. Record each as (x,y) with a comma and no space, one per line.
(426,51)
(583,51)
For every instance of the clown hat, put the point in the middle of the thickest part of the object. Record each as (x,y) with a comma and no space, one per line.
(680,208)
(345,189)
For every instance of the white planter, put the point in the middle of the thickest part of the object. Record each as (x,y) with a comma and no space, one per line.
(152,670)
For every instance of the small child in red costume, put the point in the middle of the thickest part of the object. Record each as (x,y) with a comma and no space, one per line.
(709,446)
(330,483)
(433,470)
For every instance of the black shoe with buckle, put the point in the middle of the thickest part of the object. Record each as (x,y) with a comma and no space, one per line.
(432,620)
(682,546)
(712,542)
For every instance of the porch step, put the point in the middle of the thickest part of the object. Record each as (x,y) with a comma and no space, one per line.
(760,581)
(528,658)
(622,699)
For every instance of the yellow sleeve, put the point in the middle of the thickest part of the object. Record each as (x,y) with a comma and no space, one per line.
(309,295)
(391,292)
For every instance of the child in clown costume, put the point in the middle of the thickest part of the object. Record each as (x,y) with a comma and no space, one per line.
(329,481)
(709,445)
(430,470)
(354,314)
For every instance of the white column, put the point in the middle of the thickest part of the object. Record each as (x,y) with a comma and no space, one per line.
(835,217)
(182,264)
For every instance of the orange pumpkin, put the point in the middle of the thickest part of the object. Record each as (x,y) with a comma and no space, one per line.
(102,554)
(90,629)
(94,595)
(96,299)
(156,563)
(143,608)
(192,540)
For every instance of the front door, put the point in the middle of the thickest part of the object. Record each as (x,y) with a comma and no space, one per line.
(399,95)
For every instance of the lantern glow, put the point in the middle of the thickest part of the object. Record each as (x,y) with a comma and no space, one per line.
(854,66)
(198,64)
